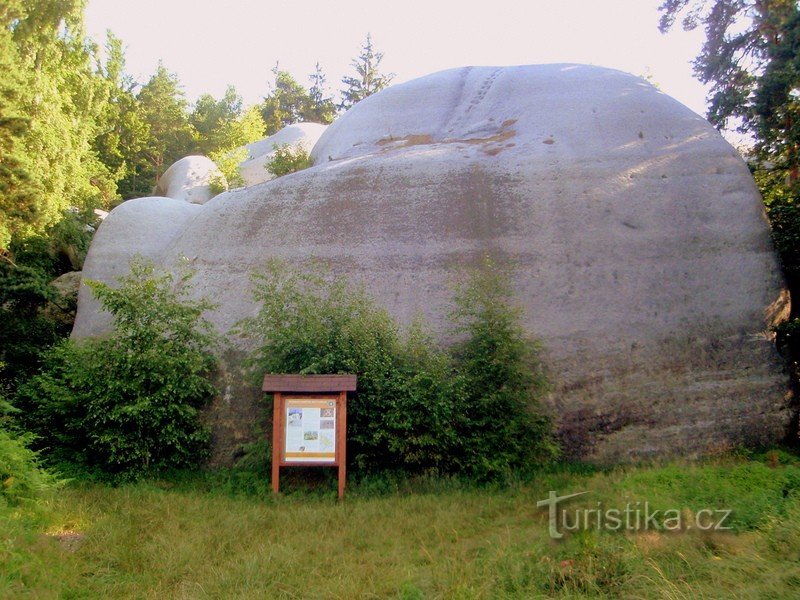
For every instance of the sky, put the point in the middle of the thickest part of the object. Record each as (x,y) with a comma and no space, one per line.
(211,44)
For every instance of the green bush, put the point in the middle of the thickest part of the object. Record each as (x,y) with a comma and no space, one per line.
(229,176)
(22,479)
(288,159)
(26,328)
(499,375)
(127,404)
(418,408)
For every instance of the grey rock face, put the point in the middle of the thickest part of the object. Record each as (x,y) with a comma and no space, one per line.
(303,135)
(640,250)
(189,179)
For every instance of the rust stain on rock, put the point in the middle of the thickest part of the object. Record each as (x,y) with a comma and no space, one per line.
(415,139)
(422,139)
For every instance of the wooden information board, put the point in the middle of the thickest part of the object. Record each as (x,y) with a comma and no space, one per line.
(309,422)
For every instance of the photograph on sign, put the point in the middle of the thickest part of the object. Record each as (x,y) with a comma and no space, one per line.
(310,430)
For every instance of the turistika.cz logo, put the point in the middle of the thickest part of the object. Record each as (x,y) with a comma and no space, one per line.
(636,516)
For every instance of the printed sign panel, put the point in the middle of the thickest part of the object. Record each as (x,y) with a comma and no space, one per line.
(310,430)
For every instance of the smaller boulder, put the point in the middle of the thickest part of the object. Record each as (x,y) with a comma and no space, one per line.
(63,308)
(254,170)
(189,179)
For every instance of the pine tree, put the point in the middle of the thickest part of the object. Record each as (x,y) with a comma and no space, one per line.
(320,107)
(164,109)
(123,134)
(368,79)
(285,104)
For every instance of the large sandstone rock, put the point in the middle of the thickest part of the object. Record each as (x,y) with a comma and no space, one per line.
(304,135)
(189,179)
(641,253)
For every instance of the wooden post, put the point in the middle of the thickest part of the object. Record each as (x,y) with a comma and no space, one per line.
(341,442)
(315,392)
(277,440)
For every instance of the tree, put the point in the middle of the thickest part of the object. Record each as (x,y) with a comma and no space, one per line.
(225,124)
(285,104)
(747,59)
(128,403)
(164,109)
(123,135)
(320,107)
(210,118)
(751,60)
(18,189)
(50,99)
(368,79)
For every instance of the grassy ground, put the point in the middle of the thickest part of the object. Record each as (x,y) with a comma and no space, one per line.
(197,539)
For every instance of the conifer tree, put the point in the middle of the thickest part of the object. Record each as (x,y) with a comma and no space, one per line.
(368,79)
(285,104)
(165,110)
(320,107)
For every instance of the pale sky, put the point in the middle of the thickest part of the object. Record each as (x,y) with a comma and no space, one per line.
(213,43)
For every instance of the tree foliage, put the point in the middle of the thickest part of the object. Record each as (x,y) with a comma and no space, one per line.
(223,127)
(367,79)
(285,104)
(128,404)
(289,102)
(123,134)
(50,102)
(286,159)
(165,110)
(751,60)
(224,124)
(418,408)
(320,106)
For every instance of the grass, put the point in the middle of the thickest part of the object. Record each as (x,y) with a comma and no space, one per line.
(223,536)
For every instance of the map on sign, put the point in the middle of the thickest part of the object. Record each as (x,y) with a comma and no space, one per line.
(310,430)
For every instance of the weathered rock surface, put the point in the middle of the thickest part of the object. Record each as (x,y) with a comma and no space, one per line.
(189,179)
(143,227)
(641,253)
(62,309)
(253,169)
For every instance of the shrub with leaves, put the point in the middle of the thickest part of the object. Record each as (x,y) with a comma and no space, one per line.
(128,403)
(308,323)
(24,330)
(22,479)
(229,176)
(33,314)
(418,408)
(287,159)
(499,376)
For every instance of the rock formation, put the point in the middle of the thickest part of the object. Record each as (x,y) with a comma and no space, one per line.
(189,179)
(259,153)
(641,254)
(62,308)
